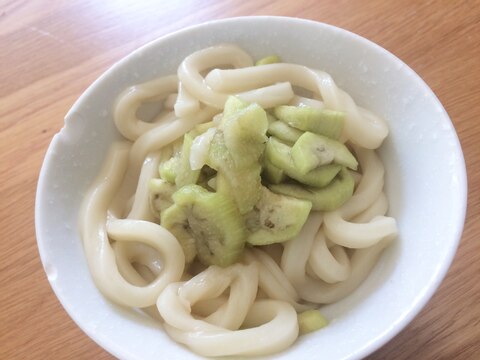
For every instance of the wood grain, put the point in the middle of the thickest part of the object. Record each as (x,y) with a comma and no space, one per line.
(50,51)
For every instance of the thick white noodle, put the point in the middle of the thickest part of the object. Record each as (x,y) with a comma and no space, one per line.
(361,235)
(274,251)
(274,328)
(272,281)
(164,242)
(152,141)
(176,301)
(185,104)
(296,255)
(361,126)
(169,103)
(243,283)
(329,264)
(148,267)
(141,209)
(164,135)
(370,185)
(189,71)
(379,207)
(100,255)
(272,324)
(269,96)
(128,253)
(303,101)
(361,263)
(132,98)
(204,308)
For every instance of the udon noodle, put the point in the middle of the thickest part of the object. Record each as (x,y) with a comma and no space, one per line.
(249,308)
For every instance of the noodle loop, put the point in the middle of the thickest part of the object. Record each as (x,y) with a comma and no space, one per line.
(271,325)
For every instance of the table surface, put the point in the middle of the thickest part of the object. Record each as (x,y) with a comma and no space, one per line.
(50,51)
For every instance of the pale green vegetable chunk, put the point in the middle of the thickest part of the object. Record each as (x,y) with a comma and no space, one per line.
(185,175)
(320,121)
(311,320)
(280,156)
(327,198)
(201,128)
(276,218)
(214,222)
(214,226)
(272,59)
(161,192)
(233,105)
(168,169)
(271,173)
(245,135)
(241,183)
(284,132)
(313,150)
(271,118)
(236,150)
(175,220)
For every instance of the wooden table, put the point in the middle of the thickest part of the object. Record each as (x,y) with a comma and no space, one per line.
(50,51)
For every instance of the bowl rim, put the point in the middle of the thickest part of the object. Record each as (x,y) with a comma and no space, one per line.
(460,172)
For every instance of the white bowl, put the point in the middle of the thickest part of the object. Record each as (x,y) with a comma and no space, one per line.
(425,184)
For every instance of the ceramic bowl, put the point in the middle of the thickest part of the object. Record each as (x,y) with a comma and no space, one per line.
(425,185)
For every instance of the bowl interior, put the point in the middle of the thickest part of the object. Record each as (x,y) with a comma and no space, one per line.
(425,185)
